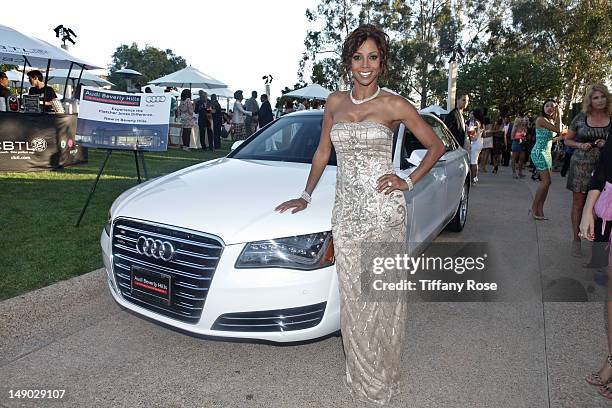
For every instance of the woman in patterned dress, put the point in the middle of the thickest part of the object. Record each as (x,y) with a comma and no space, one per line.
(185,114)
(547,123)
(369,207)
(587,134)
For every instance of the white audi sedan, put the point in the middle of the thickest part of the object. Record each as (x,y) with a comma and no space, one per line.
(203,250)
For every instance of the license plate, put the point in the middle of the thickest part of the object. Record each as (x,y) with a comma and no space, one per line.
(151,285)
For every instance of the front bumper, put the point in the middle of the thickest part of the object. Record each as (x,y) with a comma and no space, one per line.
(265,292)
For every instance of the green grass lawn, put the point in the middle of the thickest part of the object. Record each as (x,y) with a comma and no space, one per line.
(39,244)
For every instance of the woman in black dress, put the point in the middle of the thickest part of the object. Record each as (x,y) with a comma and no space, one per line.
(601,179)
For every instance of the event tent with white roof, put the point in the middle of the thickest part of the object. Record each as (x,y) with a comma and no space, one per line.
(189,77)
(19,49)
(313,91)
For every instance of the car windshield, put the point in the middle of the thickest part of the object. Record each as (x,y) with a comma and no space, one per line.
(289,139)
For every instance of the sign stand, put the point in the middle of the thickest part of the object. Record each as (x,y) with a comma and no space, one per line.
(92,190)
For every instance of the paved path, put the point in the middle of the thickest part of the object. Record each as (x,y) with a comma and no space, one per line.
(515,352)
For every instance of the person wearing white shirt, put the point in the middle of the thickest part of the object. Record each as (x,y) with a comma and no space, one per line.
(238,117)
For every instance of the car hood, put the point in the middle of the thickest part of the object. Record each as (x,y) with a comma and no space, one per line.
(233,199)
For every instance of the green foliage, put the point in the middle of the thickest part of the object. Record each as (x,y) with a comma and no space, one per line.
(7,67)
(511,84)
(151,62)
(515,52)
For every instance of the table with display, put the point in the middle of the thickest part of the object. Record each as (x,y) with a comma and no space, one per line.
(38,141)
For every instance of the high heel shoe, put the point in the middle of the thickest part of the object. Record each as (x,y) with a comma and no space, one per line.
(536,217)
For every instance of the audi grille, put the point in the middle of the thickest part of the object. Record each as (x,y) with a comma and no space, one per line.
(188,257)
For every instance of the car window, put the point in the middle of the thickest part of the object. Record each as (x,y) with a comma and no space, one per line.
(411,142)
(441,131)
(290,138)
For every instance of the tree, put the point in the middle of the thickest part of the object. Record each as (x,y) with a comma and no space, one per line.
(151,62)
(338,18)
(512,84)
(575,35)
(7,67)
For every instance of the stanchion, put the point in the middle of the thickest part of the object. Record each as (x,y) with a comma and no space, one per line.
(93,187)
(144,166)
(137,166)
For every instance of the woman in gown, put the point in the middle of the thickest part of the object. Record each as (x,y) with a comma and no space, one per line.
(369,208)
(548,123)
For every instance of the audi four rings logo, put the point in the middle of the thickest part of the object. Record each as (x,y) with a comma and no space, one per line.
(155,248)
(155,99)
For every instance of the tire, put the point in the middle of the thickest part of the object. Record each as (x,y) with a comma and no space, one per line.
(460,218)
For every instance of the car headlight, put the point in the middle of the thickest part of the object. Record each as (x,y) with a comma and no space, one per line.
(305,252)
(107,226)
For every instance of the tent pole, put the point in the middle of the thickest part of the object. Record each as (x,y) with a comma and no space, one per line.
(67,77)
(46,80)
(25,61)
(80,75)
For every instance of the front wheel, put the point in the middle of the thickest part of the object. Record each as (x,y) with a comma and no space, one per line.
(458,221)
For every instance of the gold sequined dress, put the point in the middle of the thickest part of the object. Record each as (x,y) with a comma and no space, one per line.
(372,330)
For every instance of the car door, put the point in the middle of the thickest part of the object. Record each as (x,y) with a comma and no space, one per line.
(455,163)
(426,201)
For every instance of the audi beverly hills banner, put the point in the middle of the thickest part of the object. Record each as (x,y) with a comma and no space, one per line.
(34,141)
(127,121)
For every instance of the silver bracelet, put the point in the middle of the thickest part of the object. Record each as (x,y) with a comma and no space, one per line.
(306,197)
(410,183)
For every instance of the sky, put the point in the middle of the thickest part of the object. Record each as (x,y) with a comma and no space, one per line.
(236,42)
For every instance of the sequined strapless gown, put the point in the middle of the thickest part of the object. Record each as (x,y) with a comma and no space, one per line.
(372,330)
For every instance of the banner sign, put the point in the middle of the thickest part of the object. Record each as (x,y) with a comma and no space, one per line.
(127,121)
(34,141)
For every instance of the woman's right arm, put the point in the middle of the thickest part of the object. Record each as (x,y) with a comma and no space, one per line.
(319,160)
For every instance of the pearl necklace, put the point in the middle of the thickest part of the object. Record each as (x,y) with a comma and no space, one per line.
(369,98)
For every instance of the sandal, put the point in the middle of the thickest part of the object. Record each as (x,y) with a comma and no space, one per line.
(605,391)
(596,380)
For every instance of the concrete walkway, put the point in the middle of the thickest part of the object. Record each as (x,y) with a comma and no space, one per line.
(516,351)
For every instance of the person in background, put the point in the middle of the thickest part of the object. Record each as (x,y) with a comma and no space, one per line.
(185,115)
(238,117)
(265,111)
(456,122)
(548,123)
(250,122)
(300,105)
(173,104)
(598,188)
(316,104)
(203,108)
(499,143)
(217,118)
(519,140)
(587,135)
(5,91)
(288,108)
(475,132)
(38,88)
(148,89)
(508,141)
(487,145)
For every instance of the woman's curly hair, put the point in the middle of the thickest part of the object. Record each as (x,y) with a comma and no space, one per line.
(357,38)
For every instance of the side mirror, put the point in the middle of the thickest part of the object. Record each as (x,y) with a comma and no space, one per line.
(417,156)
(236,144)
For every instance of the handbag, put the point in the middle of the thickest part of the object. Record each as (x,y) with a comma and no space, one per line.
(603,206)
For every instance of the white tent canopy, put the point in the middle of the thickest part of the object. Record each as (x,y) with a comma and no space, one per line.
(313,91)
(17,49)
(220,92)
(58,76)
(438,110)
(15,76)
(189,78)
